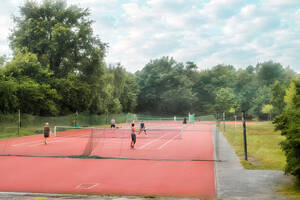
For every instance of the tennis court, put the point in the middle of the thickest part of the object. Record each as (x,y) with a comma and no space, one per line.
(171,160)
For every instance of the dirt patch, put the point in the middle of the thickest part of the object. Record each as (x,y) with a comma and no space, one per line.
(254,161)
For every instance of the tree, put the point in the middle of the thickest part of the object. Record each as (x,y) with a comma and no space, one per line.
(2,60)
(60,36)
(166,87)
(289,125)
(29,84)
(26,65)
(9,102)
(268,72)
(245,89)
(262,97)
(267,109)
(128,97)
(277,99)
(225,99)
(58,41)
(289,98)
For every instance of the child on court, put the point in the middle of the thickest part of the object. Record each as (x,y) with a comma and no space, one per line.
(142,127)
(133,136)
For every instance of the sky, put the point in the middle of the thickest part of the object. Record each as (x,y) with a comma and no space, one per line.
(206,32)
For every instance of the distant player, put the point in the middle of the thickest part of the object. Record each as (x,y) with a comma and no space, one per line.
(184,120)
(112,123)
(133,136)
(142,127)
(46,132)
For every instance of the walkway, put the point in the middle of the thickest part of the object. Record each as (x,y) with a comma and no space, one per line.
(235,183)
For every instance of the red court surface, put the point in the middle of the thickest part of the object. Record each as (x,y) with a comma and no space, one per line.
(164,167)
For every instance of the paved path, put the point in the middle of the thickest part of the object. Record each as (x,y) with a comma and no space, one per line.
(235,183)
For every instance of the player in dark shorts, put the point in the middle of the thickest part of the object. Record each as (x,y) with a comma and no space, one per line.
(46,132)
(133,136)
(142,127)
(112,123)
(184,120)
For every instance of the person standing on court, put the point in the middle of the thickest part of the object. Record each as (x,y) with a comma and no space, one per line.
(184,120)
(112,123)
(133,136)
(142,128)
(46,132)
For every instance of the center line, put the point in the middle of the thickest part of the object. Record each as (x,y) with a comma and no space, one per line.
(152,141)
(167,142)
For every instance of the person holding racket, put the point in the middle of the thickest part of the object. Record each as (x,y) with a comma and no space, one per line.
(142,127)
(133,136)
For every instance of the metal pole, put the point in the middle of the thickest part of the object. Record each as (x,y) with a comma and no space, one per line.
(106,122)
(19,122)
(234,121)
(245,136)
(224,120)
(76,115)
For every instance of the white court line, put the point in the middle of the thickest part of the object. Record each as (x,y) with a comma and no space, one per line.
(87,185)
(35,141)
(14,145)
(167,142)
(152,141)
(53,141)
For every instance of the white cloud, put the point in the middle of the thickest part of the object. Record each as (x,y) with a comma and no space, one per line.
(236,32)
(220,8)
(281,3)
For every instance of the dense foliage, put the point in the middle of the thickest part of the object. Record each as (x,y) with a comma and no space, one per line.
(169,87)
(58,68)
(58,65)
(289,125)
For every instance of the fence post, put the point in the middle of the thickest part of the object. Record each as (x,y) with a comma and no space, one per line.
(234,121)
(224,121)
(76,115)
(19,121)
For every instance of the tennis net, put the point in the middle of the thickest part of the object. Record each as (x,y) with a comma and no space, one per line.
(92,142)
(162,133)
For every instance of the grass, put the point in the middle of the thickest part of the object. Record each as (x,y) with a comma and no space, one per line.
(291,190)
(263,147)
(9,132)
(264,150)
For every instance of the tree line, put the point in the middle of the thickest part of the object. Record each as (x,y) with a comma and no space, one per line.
(58,68)
(170,87)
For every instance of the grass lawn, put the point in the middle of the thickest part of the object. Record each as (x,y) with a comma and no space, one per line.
(264,150)
(12,131)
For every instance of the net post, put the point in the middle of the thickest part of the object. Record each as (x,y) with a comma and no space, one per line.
(181,132)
